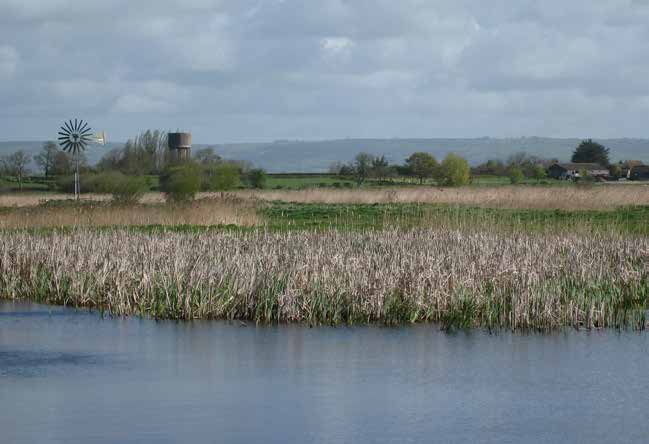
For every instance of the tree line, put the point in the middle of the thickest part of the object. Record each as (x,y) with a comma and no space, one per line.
(454,170)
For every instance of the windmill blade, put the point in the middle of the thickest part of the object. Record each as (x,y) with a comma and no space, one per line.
(66,146)
(100,138)
(82,126)
(76,125)
(68,126)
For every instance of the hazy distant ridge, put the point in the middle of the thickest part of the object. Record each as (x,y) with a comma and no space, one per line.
(316,156)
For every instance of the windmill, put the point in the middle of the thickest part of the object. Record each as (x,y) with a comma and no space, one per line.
(74,137)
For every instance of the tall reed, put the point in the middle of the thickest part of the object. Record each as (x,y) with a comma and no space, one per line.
(454,278)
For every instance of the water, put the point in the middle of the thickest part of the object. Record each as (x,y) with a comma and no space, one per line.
(70,376)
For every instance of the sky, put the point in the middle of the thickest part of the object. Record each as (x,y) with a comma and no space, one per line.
(261,70)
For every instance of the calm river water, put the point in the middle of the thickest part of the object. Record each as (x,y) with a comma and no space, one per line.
(70,376)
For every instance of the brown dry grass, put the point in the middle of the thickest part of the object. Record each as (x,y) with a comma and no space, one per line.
(513,197)
(599,197)
(203,212)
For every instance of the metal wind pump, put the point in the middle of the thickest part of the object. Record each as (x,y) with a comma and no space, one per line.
(74,137)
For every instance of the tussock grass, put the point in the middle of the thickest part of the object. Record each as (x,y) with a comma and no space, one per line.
(454,278)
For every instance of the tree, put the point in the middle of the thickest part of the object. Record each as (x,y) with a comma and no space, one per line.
(454,171)
(421,165)
(111,160)
(362,167)
(207,156)
(380,168)
(539,172)
(45,159)
(62,164)
(515,175)
(257,178)
(16,165)
(591,152)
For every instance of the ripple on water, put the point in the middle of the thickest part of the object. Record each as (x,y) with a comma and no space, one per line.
(20,363)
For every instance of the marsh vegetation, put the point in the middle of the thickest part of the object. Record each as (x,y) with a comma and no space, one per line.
(520,258)
(450,277)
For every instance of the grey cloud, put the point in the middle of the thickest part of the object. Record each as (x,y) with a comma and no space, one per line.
(237,70)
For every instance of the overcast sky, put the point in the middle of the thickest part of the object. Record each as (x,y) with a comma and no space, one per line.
(249,70)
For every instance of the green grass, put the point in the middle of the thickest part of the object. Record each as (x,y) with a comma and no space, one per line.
(301,182)
(30,184)
(289,216)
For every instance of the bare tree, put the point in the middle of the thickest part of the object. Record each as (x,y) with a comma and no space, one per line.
(46,158)
(16,165)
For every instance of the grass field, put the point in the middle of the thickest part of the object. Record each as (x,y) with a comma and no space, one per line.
(499,257)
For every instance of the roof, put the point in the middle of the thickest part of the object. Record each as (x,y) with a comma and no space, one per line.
(581,166)
(638,168)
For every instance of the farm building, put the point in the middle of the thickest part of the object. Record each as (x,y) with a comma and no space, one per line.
(566,171)
(639,172)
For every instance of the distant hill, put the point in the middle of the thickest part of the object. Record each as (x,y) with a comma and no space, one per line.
(316,156)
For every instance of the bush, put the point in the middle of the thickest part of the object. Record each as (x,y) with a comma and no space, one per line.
(123,188)
(127,189)
(257,178)
(454,171)
(65,184)
(180,183)
(515,175)
(221,177)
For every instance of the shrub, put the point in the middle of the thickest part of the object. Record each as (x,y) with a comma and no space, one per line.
(127,189)
(123,188)
(454,171)
(180,183)
(220,177)
(257,178)
(515,175)
(65,184)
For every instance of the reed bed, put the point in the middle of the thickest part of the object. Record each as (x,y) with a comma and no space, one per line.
(453,278)
(594,197)
(598,197)
(206,212)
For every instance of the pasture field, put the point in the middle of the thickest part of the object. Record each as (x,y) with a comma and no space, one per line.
(506,257)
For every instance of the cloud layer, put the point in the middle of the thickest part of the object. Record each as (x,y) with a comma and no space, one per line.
(246,70)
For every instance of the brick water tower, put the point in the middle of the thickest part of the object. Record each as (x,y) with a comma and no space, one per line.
(180,145)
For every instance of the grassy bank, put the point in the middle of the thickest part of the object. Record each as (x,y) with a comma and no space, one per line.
(459,280)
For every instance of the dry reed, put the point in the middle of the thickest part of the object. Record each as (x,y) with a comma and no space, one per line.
(454,278)
(514,197)
(203,212)
(598,197)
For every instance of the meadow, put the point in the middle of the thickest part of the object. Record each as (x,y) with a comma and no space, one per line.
(505,257)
